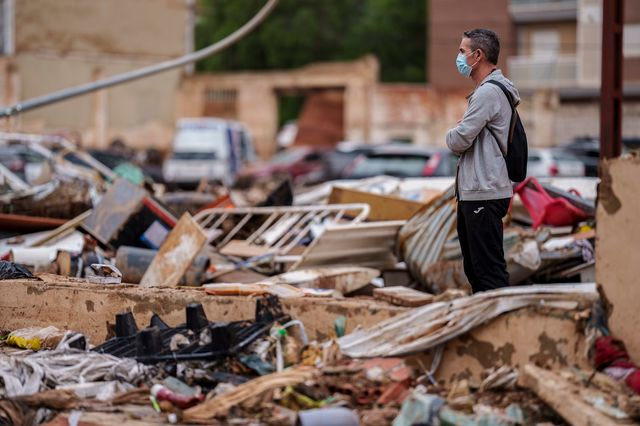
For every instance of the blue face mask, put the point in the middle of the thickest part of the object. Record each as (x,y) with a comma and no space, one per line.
(461,63)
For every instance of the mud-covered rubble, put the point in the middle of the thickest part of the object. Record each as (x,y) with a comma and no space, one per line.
(382,252)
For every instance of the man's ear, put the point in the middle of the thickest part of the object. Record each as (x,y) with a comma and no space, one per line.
(478,54)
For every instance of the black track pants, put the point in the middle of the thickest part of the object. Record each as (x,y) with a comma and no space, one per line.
(480,234)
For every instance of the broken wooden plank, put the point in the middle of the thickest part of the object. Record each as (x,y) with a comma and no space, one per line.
(403,296)
(67,228)
(383,207)
(345,279)
(284,291)
(564,397)
(175,255)
(221,404)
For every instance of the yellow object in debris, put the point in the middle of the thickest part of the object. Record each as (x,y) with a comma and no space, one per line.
(35,338)
(585,229)
(298,401)
(24,343)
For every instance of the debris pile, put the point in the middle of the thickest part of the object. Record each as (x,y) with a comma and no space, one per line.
(258,253)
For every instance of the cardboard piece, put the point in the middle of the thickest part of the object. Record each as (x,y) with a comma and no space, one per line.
(383,207)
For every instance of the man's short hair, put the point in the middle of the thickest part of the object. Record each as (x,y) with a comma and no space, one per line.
(485,40)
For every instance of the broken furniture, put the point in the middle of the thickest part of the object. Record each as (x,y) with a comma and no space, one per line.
(26,223)
(254,231)
(60,198)
(547,210)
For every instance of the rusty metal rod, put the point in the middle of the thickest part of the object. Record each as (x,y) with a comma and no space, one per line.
(142,72)
(611,87)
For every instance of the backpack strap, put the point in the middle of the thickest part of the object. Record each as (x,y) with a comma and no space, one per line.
(506,92)
(511,104)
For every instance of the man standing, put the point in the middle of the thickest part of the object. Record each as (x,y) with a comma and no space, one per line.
(480,140)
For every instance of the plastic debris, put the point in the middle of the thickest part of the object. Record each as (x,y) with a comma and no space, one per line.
(12,271)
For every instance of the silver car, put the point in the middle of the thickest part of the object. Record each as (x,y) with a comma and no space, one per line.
(544,162)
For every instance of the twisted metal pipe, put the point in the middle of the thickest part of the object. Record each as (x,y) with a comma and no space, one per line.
(142,72)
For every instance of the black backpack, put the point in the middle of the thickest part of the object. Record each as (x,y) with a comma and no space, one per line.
(517,152)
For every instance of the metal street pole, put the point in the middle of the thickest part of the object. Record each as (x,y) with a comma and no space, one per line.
(611,87)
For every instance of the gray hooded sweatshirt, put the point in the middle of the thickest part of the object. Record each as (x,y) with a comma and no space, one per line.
(482,171)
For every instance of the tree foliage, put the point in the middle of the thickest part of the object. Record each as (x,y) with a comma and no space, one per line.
(300,32)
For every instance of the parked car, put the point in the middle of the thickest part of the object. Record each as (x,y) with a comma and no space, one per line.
(587,150)
(304,164)
(207,148)
(553,162)
(339,159)
(442,163)
(391,160)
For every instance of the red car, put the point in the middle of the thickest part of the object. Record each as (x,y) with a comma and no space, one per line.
(304,164)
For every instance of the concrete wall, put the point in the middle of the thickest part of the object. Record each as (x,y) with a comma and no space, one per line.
(572,119)
(380,112)
(550,121)
(424,115)
(617,248)
(415,112)
(144,28)
(63,43)
(120,111)
(545,337)
(257,92)
(373,112)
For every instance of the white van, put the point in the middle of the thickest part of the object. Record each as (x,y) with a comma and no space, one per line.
(208,148)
